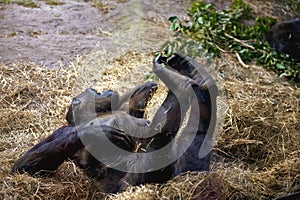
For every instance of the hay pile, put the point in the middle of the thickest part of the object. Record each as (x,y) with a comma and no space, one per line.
(257,154)
(33,103)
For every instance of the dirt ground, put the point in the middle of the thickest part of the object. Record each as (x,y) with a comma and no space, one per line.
(53,35)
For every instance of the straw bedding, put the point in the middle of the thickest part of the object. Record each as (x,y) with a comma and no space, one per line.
(256,155)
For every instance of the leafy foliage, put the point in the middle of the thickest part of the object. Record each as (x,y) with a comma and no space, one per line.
(25,3)
(210,32)
(54,2)
(31,3)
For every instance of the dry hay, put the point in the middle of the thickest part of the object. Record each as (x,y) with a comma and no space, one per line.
(33,103)
(257,155)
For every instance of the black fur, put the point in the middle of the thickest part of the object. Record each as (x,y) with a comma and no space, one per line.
(285,37)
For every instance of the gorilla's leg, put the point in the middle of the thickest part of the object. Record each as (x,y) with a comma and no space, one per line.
(165,123)
(164,126)
(206,91)
(180,74)
(205,87)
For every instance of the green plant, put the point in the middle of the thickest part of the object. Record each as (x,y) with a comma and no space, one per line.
(54,2)
(209,33)
(12,34)
(100,5)
(25,3)
(4,1)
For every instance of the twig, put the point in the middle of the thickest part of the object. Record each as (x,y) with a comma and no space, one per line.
(20,109)
(240,60)
(24,107)
(222,50)
(240,41)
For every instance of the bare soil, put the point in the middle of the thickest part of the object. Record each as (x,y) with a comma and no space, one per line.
(53,35)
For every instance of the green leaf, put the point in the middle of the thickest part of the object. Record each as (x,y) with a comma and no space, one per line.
(280,66)
(173,19)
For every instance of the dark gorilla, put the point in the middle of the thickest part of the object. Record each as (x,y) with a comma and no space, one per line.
(95,116)
(285,37)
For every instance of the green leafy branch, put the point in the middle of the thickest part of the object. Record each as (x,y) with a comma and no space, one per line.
(210,32)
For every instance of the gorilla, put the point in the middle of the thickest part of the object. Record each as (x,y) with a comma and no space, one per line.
(285,37)
(108,137)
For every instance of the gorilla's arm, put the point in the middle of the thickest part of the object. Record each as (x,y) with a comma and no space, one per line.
(188,88)
(47,155)
(63,143)
(135,101)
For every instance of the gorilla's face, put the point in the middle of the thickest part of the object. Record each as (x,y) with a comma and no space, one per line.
(88,105)
(285,37)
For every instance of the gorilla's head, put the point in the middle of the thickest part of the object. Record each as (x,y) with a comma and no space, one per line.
(88,104)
